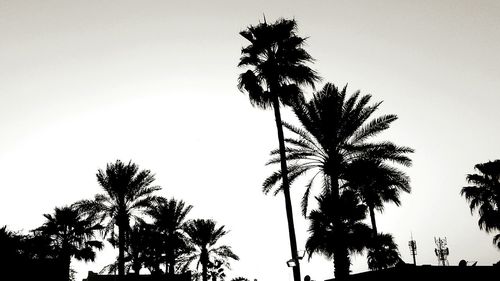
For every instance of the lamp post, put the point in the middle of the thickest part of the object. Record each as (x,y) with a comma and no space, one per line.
(295,262)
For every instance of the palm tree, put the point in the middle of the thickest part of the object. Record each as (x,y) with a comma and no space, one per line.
(277,63)
(376,184)
(382,252)
(484,195)
(128,194)
(336,130)
(204,235)
(169,219)
(71,236)
(334,240)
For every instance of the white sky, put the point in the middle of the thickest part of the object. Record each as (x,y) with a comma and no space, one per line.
(83,83)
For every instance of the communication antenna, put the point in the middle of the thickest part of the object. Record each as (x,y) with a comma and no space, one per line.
(413,249)
(441,251)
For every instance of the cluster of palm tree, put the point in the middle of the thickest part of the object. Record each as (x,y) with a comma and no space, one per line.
(332,145)
(167,244)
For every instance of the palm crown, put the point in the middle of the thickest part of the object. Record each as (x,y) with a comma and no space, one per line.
(484,195)
(204,235)
(327,238)
(71,235)
(277,61)
(169,219)
(376,183)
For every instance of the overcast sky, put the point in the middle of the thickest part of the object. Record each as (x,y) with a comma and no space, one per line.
(83,83)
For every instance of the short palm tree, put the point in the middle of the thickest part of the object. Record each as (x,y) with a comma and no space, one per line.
(336,130)
(128,195)
(169,220)
(277,63)
(376,184)
(204,235)
(382,252)
(484,195)
(336,241)
(71,236)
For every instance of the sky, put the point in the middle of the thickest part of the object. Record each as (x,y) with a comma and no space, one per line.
(84,83)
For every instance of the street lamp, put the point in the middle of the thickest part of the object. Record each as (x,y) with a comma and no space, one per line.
(301,254)
(294,262)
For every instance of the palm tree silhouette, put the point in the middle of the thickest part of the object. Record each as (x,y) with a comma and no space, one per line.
(31,256)
(169,219)
(277,61)
(376,184)
(336,130)
(484,195)
(335,240)
(71,236)
(382,252)
(128,194)
(204,235)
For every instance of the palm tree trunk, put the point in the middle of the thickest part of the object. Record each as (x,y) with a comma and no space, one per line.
(374,223)
(341,262)
(121,245)
(286,189)
(204,264)
(341,253)
(171,267)
(170,262)
(66,263)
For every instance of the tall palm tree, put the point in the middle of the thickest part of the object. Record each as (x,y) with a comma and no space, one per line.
(484,195)
(128,195)
(71,236)
(334,240)
(169,219)
(277,63)
(336,130)
(376,184)
(204,235)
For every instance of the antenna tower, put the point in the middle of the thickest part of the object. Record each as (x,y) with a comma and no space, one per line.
(413,249)
(441,251)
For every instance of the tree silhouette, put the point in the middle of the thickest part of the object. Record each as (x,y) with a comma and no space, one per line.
(335,240)
(71,236)
(382,252)
(30,256)
(484,195)
(169,220)
(277,63)
(11,245)
(376,183)
(204,235)
(128,194)
(335,133)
